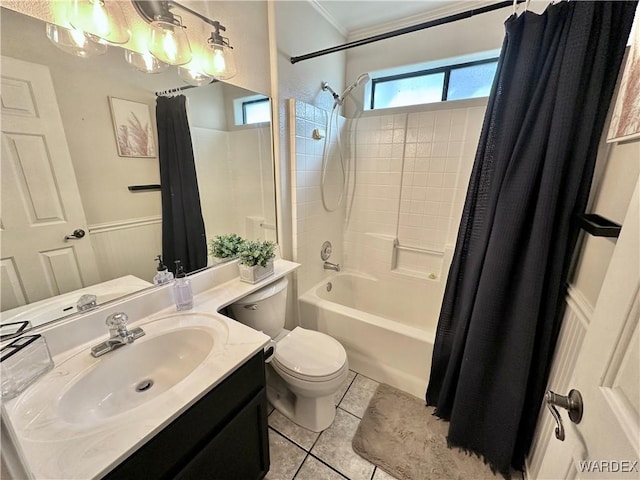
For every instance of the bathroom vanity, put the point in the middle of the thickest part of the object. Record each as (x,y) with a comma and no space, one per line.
(203,416)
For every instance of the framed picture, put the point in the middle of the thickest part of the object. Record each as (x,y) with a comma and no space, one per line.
(133,128)
(625,122)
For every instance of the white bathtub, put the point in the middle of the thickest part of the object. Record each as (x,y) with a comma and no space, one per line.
(387,326)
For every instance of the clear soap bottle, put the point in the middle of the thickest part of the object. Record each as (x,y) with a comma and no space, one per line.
(163,275)
(182,293)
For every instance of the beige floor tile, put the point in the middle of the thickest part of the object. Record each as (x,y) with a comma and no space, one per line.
(314,469)
(292,431)
(286,457)
(334,448)
(345,385)
(358,396)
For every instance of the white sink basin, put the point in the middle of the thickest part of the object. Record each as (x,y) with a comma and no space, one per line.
(134,374)
(83,393)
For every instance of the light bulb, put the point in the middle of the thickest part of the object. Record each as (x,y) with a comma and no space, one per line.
(74,41)
(102,19)
(169,43)
(220,63)
(193,77)
(145,62)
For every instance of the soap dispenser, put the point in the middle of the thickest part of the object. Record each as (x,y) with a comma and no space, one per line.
(182,293)
(163,274)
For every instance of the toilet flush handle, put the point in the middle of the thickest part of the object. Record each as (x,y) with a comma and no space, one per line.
(251,306)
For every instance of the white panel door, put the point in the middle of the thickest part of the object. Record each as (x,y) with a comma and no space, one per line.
(40,201)
(606,443)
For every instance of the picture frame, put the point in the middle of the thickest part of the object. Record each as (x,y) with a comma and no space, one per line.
(133,128)
(625,121)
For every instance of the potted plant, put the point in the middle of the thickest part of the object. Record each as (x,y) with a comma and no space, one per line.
(225,247)
(256,260)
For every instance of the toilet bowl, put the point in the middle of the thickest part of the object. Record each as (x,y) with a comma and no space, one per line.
(307,368)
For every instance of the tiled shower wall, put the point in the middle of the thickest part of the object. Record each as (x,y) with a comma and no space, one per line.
(312,223)
(412,171)
(409,174)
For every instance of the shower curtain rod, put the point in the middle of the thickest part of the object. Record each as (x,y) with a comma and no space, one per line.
(179,89)
(405,30)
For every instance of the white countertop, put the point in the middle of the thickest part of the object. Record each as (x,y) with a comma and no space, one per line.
(54,448)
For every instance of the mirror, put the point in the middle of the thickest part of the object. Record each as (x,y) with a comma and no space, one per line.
(43,275)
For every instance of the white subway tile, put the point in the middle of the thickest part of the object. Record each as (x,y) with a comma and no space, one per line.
(436,164)
(398,135)
(435,180)
(449,180)
(425,134)
(397,150)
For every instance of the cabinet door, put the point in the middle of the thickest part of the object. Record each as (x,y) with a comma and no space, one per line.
(240,451)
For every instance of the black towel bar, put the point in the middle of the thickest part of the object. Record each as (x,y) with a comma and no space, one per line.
(599,226)
(138,188)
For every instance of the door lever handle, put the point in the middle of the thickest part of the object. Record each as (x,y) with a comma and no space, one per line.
(571,402)
(76,235)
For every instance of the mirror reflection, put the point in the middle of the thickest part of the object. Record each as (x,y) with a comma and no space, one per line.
(71,224)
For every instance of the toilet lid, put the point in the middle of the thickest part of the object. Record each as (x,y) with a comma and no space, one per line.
(310,353)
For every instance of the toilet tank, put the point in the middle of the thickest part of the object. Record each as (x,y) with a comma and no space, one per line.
(265,309)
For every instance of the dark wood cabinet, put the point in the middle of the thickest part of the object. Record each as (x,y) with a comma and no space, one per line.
(222,436)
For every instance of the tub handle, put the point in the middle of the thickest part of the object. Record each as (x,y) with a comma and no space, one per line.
(251,306)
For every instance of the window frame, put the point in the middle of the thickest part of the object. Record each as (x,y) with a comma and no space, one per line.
(446,69)
(251,102)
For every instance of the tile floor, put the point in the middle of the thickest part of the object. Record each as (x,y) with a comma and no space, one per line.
(297,453)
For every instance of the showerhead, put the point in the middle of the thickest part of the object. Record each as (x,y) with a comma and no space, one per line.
(361,80)
(339,99)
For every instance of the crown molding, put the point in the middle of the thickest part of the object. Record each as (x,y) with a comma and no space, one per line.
(456,7)
(329,18)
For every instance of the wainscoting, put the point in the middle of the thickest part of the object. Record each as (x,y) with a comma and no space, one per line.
(576,321)
(127,247)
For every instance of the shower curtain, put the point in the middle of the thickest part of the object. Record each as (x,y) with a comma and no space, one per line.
(503,301)
(183,233)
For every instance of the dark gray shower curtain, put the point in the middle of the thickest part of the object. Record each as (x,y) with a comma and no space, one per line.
(503,301)
(183,233)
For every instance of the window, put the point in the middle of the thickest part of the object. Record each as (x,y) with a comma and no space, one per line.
(451,82)
(251,109)
(256,111)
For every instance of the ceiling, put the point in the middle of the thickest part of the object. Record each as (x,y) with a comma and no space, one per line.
(355,18)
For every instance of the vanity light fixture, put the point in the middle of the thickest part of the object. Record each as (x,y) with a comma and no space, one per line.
(101,18)
(89,25)
(166,44)
(74,41)
(220,63)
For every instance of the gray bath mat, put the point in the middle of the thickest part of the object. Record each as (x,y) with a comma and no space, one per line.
(402,437)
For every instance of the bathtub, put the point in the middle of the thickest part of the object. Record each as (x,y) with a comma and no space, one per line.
(387,326)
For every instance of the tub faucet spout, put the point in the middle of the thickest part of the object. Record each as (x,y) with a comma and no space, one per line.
(332,266)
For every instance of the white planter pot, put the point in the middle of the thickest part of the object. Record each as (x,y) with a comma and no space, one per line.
(218,260)
(256,273)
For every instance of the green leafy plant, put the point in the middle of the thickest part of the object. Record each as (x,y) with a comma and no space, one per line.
(257,253)
(226,246)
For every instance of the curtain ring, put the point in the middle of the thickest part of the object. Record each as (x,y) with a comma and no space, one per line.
(515,7)
(526,7)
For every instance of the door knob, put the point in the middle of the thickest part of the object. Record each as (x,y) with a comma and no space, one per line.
(572,403)
(76,235)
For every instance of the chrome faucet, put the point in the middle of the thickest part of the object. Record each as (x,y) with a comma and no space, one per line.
(87,302)
(119,335)
(332,266)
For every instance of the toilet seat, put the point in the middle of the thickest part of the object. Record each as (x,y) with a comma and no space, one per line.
(310,355)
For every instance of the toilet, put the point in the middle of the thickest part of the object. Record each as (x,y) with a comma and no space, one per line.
(307,368)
